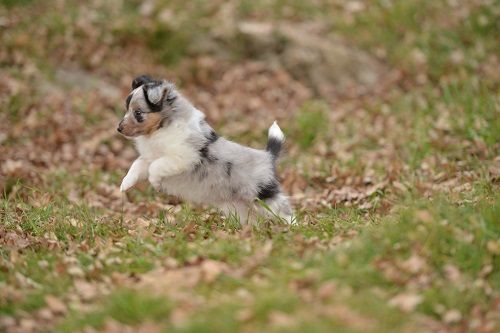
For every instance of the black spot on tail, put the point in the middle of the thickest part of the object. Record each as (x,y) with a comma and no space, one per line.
(268,190)
(274,146)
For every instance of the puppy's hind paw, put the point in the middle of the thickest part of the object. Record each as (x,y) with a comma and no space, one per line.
(289,219)
(127,183)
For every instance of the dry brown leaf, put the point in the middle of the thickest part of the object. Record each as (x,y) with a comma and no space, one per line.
(211,270)
(244,314)
(6,322)
(493,246)
(326,290)
(347,316)
(452,273)
(171,281)
(424,216)
(27,325)
(414,264)
(75,271)
(15,240)
(399,186)
(149,327)
(406,302)
(452,316)
(87,291)
(254,261)
(281,319)
(45,314)
(113,326)
(55,304)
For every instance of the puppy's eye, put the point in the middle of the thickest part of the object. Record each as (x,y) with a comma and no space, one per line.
(138,116)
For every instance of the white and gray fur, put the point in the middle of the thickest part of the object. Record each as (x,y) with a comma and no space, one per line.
(180,154)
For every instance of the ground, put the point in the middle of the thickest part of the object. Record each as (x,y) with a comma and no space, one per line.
(391,111)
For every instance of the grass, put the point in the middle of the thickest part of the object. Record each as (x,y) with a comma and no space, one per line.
(311,123)
(127,307)
(353,267)
(397,199)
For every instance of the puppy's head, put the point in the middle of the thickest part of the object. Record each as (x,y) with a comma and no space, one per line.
(149,105)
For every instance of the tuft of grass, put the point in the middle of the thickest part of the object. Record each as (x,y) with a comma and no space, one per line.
(126,306)
(12,3)
(310,123)
(438,232)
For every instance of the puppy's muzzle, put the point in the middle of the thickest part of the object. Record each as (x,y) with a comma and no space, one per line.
(120,127)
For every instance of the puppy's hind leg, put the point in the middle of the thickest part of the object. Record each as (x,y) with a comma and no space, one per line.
(237,209)
(279,206)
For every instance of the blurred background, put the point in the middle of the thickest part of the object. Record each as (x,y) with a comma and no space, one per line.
(345,79)
(385,104)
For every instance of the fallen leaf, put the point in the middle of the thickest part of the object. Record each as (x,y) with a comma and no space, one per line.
(406,302)
(493,246)
(87,291)
(281,319)
(55,304)
(211,270)
(45,314)
(452,273)
(424,216)
(348,317)
(326,290)
(399,186)
(414,264)
(452,316)
(75,271)
(244,315)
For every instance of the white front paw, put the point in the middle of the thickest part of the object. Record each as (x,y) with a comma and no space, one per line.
(155,181)
(127,183)
(156,173)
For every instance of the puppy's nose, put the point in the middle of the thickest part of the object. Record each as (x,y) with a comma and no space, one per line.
(119,129)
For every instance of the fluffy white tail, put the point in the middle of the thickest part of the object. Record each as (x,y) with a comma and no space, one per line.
(275,140)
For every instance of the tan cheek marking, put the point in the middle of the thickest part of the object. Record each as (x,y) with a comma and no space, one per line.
(151,123)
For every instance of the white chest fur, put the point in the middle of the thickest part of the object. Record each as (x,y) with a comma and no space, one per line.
(169,141)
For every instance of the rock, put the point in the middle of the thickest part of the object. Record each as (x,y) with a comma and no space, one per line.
(308,51)
(326,63)
(258,38)
(80,80)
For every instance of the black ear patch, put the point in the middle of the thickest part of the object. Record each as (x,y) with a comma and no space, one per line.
(158,92)
(156,89)
(140,80)
(127,101)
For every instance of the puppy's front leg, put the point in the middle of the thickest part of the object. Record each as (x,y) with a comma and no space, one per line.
(165,167)
(138,171)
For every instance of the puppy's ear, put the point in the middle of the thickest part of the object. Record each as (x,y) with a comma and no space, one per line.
(156,93)
(140,80)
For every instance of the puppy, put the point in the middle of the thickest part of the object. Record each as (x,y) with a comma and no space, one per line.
(181,155)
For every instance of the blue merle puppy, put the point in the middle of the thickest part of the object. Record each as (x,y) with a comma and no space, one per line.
(181,155)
